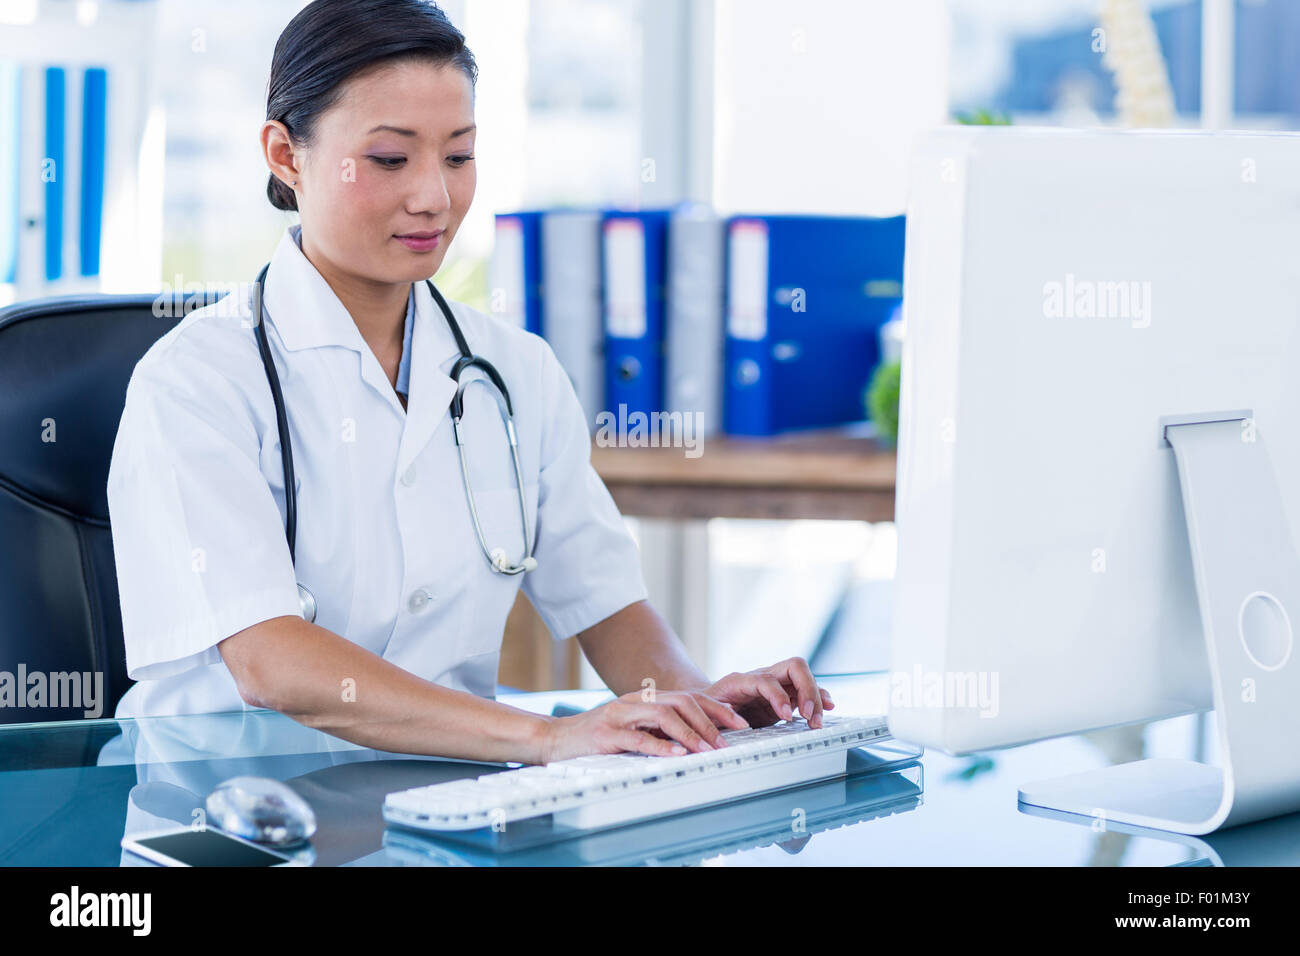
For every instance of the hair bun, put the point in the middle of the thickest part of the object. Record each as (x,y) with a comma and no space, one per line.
(281,196)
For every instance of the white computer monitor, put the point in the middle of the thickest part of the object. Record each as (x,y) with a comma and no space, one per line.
(1069,295)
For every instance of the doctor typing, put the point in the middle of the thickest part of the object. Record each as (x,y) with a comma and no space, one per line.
(327,503)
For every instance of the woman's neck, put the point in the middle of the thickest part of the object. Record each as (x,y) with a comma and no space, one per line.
(377,308)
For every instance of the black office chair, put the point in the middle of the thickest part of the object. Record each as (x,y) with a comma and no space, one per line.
(64,367)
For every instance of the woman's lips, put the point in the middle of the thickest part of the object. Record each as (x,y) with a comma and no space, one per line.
(421,241)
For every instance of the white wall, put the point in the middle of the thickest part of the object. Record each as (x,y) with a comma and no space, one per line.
(497,33)
(817,102)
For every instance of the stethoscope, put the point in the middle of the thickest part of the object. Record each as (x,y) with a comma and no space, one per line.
(496,557)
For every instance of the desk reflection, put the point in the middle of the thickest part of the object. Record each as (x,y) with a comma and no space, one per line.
(179,762)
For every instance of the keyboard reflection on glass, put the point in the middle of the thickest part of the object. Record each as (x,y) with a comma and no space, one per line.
(605,790)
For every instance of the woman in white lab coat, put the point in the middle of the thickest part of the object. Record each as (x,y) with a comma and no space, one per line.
(370,137)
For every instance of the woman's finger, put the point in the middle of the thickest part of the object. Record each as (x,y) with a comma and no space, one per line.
(663,715)
(722,714)
(796,672)
(694,717)
(768,688)
(636,741)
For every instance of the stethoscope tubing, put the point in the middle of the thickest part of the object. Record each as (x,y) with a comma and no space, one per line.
(281,418)
(496,560)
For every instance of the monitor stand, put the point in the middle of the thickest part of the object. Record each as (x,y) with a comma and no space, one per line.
(1247,584)
(1274,842)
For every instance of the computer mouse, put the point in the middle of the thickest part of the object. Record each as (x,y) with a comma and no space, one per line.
(262,810)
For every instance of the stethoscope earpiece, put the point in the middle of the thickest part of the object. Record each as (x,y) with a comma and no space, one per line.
(496,557)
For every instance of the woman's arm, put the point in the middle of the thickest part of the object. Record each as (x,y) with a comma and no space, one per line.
(634,644)
(329,683)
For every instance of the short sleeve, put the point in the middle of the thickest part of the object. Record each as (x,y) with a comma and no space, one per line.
(198,539)
(588,565)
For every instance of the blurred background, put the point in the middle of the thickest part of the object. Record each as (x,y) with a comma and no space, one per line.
(749,106)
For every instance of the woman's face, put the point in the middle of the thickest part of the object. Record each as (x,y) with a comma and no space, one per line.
(393,156)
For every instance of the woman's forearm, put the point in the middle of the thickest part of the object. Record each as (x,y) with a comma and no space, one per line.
(636,644)
(329,683)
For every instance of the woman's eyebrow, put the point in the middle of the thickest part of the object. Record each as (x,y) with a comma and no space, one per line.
(411,132)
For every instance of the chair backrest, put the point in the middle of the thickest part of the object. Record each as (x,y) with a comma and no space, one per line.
(64,366)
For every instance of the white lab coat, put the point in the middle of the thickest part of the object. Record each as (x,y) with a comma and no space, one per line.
(384,540)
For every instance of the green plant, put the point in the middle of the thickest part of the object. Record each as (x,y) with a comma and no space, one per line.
(882,400)
(466,280)
(982,117)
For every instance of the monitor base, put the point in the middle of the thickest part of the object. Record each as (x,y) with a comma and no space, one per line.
(1181,796)
(1248,589)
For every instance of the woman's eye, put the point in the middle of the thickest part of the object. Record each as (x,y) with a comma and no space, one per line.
(388,162)
(461,160)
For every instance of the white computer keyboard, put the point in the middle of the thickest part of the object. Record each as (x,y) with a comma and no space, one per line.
(605,790)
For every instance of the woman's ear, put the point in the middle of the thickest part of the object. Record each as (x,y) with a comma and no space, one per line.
(281,157)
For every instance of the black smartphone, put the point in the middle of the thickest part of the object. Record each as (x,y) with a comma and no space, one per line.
(207,847)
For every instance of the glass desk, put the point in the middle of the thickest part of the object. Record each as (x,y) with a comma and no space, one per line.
(70,791)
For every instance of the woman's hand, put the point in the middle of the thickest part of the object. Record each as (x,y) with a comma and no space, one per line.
(769,694)
(662,724)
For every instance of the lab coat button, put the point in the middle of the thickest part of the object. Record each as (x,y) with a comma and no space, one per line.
(419,600)
(408,476)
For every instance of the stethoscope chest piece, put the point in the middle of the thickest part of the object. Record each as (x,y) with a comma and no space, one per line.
(307,604)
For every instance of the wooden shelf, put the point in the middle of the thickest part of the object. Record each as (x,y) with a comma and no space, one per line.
(835,473)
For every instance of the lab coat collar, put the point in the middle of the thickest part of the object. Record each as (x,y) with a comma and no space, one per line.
(306,314)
